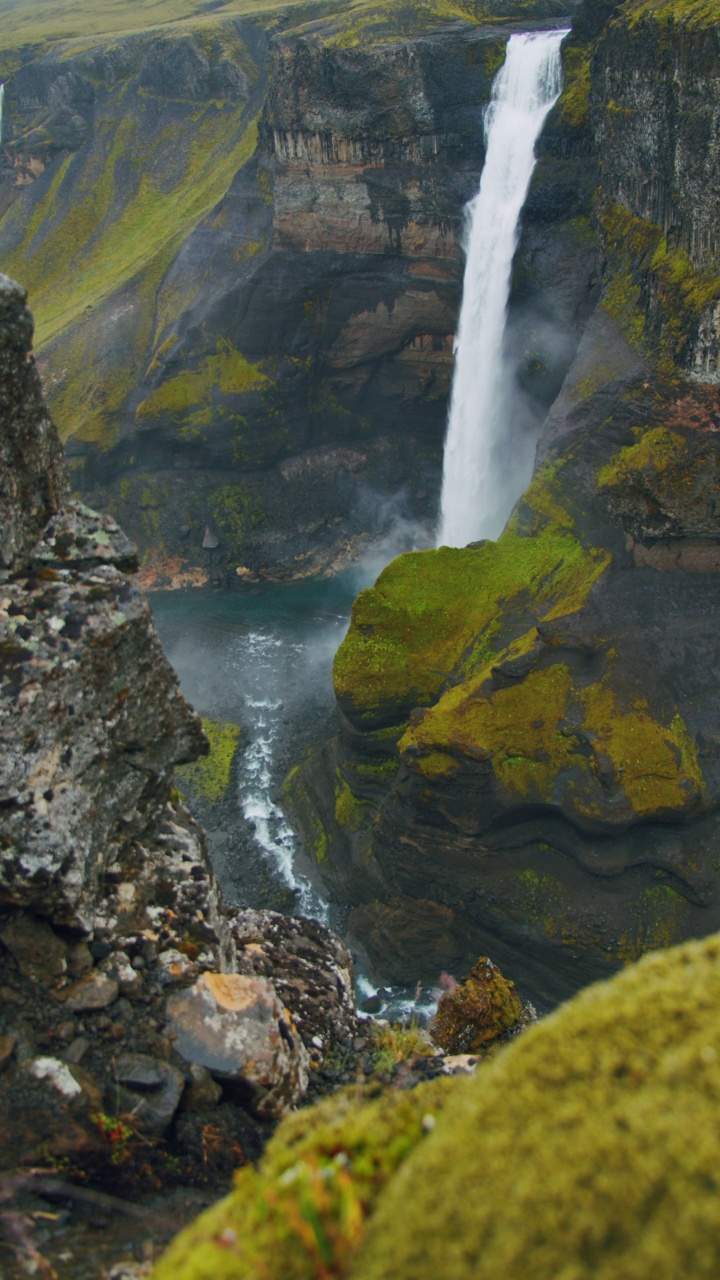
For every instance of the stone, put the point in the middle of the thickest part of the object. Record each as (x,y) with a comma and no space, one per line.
(80,960)
(118,967)
(37,950)
(95,991)
(474,1013)
(150,1090)
(204,1092)
(172,966)
(76,1051)
(7,1048)
(310,968)
(236,1027)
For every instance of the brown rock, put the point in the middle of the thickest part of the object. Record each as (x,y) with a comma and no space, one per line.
(7,1049)
(94,991)
(38,952)
(236,1027)
(473,1013)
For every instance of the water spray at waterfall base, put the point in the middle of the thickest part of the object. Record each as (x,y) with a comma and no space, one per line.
(477,492)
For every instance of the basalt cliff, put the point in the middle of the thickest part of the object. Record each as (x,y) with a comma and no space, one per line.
(242,241)
(527,758)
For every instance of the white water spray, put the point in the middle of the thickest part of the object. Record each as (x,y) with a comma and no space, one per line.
(475,500)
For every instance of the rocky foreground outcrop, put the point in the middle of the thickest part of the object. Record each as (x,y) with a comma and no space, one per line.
(240,388)
(528,760)
(133,1006)
(586,1148)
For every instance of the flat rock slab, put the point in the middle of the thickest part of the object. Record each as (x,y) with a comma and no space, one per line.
(94,991)
(236,1026)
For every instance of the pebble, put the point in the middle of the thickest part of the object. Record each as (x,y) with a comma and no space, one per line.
(7,1049)
(94,991)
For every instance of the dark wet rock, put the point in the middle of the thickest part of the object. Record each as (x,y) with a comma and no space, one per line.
(33,477)
(236,1027)
(38,952)
(151,1091)
(8,1044)
(311,970)
(219,1142)
(203,1092)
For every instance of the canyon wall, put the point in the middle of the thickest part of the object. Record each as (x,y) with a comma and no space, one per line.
(527,760)
(242,245)
(128,988)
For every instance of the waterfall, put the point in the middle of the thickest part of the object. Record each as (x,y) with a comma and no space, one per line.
(2,95)
(476,496)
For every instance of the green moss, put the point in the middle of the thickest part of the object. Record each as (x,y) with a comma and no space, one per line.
(660,917)
(477,1012)
(431,612)
(658,449)
(209,777)
(653,292)
(227,372)
(300,1215)
(235,511)
(692,13)
(348,809)
(586,1149)
(548,740)
(380,771)
(575,97)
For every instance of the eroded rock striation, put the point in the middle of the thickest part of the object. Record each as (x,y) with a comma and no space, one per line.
(110,916)
(527,760)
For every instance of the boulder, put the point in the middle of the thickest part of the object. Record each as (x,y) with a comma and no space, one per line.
(236,1027)
(476,1012)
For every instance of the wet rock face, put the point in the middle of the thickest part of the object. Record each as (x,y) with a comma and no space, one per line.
(32,468)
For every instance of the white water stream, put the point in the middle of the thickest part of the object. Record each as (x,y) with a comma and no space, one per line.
(2,95)
(476,497)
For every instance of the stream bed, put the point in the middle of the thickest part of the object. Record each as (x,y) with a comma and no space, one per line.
(261,658)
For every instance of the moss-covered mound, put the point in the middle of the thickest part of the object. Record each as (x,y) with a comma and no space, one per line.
(434,612)
(587,1149)
(301,1214)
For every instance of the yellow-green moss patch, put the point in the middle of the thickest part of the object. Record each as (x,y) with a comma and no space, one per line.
(433,611)
(300,1216)
(586,1149)
(209,777)
(548,740)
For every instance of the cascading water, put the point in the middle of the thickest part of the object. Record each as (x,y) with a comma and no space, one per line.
(476,500)
(2,95)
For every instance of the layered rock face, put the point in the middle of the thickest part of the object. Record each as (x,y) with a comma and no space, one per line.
(128,989)
(247,287)
(528,761)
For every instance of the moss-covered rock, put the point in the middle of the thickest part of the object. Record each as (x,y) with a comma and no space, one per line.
(435,612)
(208,778)
(301,1213)
(476,1012)
(586,1149)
